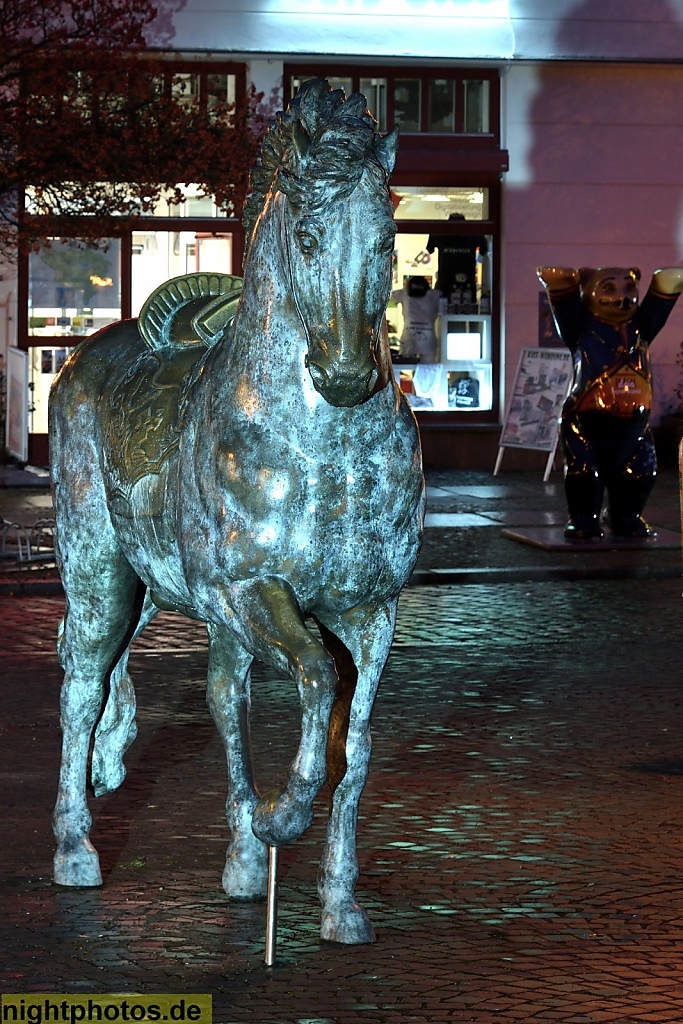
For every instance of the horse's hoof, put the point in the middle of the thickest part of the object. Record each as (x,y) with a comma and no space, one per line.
(77,865)
(246,871)
(347,923)
(284,815)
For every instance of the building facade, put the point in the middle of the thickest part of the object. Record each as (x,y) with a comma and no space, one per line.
(531,134)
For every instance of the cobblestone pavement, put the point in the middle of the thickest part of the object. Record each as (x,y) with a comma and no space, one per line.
(521,834)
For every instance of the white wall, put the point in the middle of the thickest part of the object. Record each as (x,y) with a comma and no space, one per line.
(445,29)
(389,29)
(597,29)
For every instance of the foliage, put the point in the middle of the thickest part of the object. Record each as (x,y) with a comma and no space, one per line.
(95,126)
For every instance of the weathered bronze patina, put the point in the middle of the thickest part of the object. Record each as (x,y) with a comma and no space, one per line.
(254,473)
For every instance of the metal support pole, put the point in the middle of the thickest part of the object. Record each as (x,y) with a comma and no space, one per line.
(271,909)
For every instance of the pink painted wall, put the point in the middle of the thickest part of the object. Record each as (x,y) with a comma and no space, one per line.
(596,178)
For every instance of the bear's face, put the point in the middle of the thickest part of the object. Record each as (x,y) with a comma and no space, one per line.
(610,293)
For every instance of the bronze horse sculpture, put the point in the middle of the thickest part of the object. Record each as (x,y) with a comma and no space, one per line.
(241,454)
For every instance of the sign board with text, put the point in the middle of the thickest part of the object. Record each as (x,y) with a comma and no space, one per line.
(541,385)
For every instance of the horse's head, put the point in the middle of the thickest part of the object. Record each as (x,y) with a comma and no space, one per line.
(331,170)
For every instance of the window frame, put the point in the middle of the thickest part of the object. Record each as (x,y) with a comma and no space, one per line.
(489,139)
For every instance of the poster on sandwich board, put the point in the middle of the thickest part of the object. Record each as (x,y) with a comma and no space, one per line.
(532,420)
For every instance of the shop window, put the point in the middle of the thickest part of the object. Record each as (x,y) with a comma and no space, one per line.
(440,313)
(157,256)
(74,290)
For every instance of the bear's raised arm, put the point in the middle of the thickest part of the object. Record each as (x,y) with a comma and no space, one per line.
(557,278)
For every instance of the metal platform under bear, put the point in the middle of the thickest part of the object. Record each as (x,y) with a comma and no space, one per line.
(552,538)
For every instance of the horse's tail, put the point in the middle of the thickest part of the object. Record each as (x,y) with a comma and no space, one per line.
(115,732)
(193,309)
(117,727)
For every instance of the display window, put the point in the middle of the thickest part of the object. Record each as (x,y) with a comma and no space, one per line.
(441,309)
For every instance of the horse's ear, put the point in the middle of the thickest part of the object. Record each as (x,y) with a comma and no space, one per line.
(385,148)
(300,141)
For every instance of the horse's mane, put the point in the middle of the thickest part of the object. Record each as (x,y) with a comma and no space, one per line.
(314,151)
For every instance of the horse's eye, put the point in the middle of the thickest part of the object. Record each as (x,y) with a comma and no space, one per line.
(308,242)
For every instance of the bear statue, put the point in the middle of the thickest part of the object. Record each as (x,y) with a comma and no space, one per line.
(605,432)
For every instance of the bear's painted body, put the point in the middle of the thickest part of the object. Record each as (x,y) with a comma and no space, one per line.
(605,429)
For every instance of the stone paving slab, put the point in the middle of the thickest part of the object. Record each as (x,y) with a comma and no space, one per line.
(520,837)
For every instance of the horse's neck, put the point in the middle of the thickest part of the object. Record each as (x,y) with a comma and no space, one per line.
(268,344)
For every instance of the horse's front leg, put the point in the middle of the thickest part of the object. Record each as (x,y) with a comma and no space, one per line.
(228,697)
(366,634)
(273,629)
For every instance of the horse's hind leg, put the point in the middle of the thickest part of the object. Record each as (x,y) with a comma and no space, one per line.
(228,697)
(101,589)
(366,635)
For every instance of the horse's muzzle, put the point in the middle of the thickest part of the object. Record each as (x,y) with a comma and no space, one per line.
(344,388)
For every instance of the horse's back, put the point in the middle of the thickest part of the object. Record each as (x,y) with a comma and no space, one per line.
(117,400)
(91,369)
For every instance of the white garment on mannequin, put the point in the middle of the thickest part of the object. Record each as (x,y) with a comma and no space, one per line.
(419,313)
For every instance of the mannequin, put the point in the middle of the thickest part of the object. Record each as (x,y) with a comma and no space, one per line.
(420,306)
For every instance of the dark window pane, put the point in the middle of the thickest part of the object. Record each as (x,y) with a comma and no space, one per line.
(441,105)
(407,103)
(185,87)
(220,93)
(342,83)
(476,98)
(375,92)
